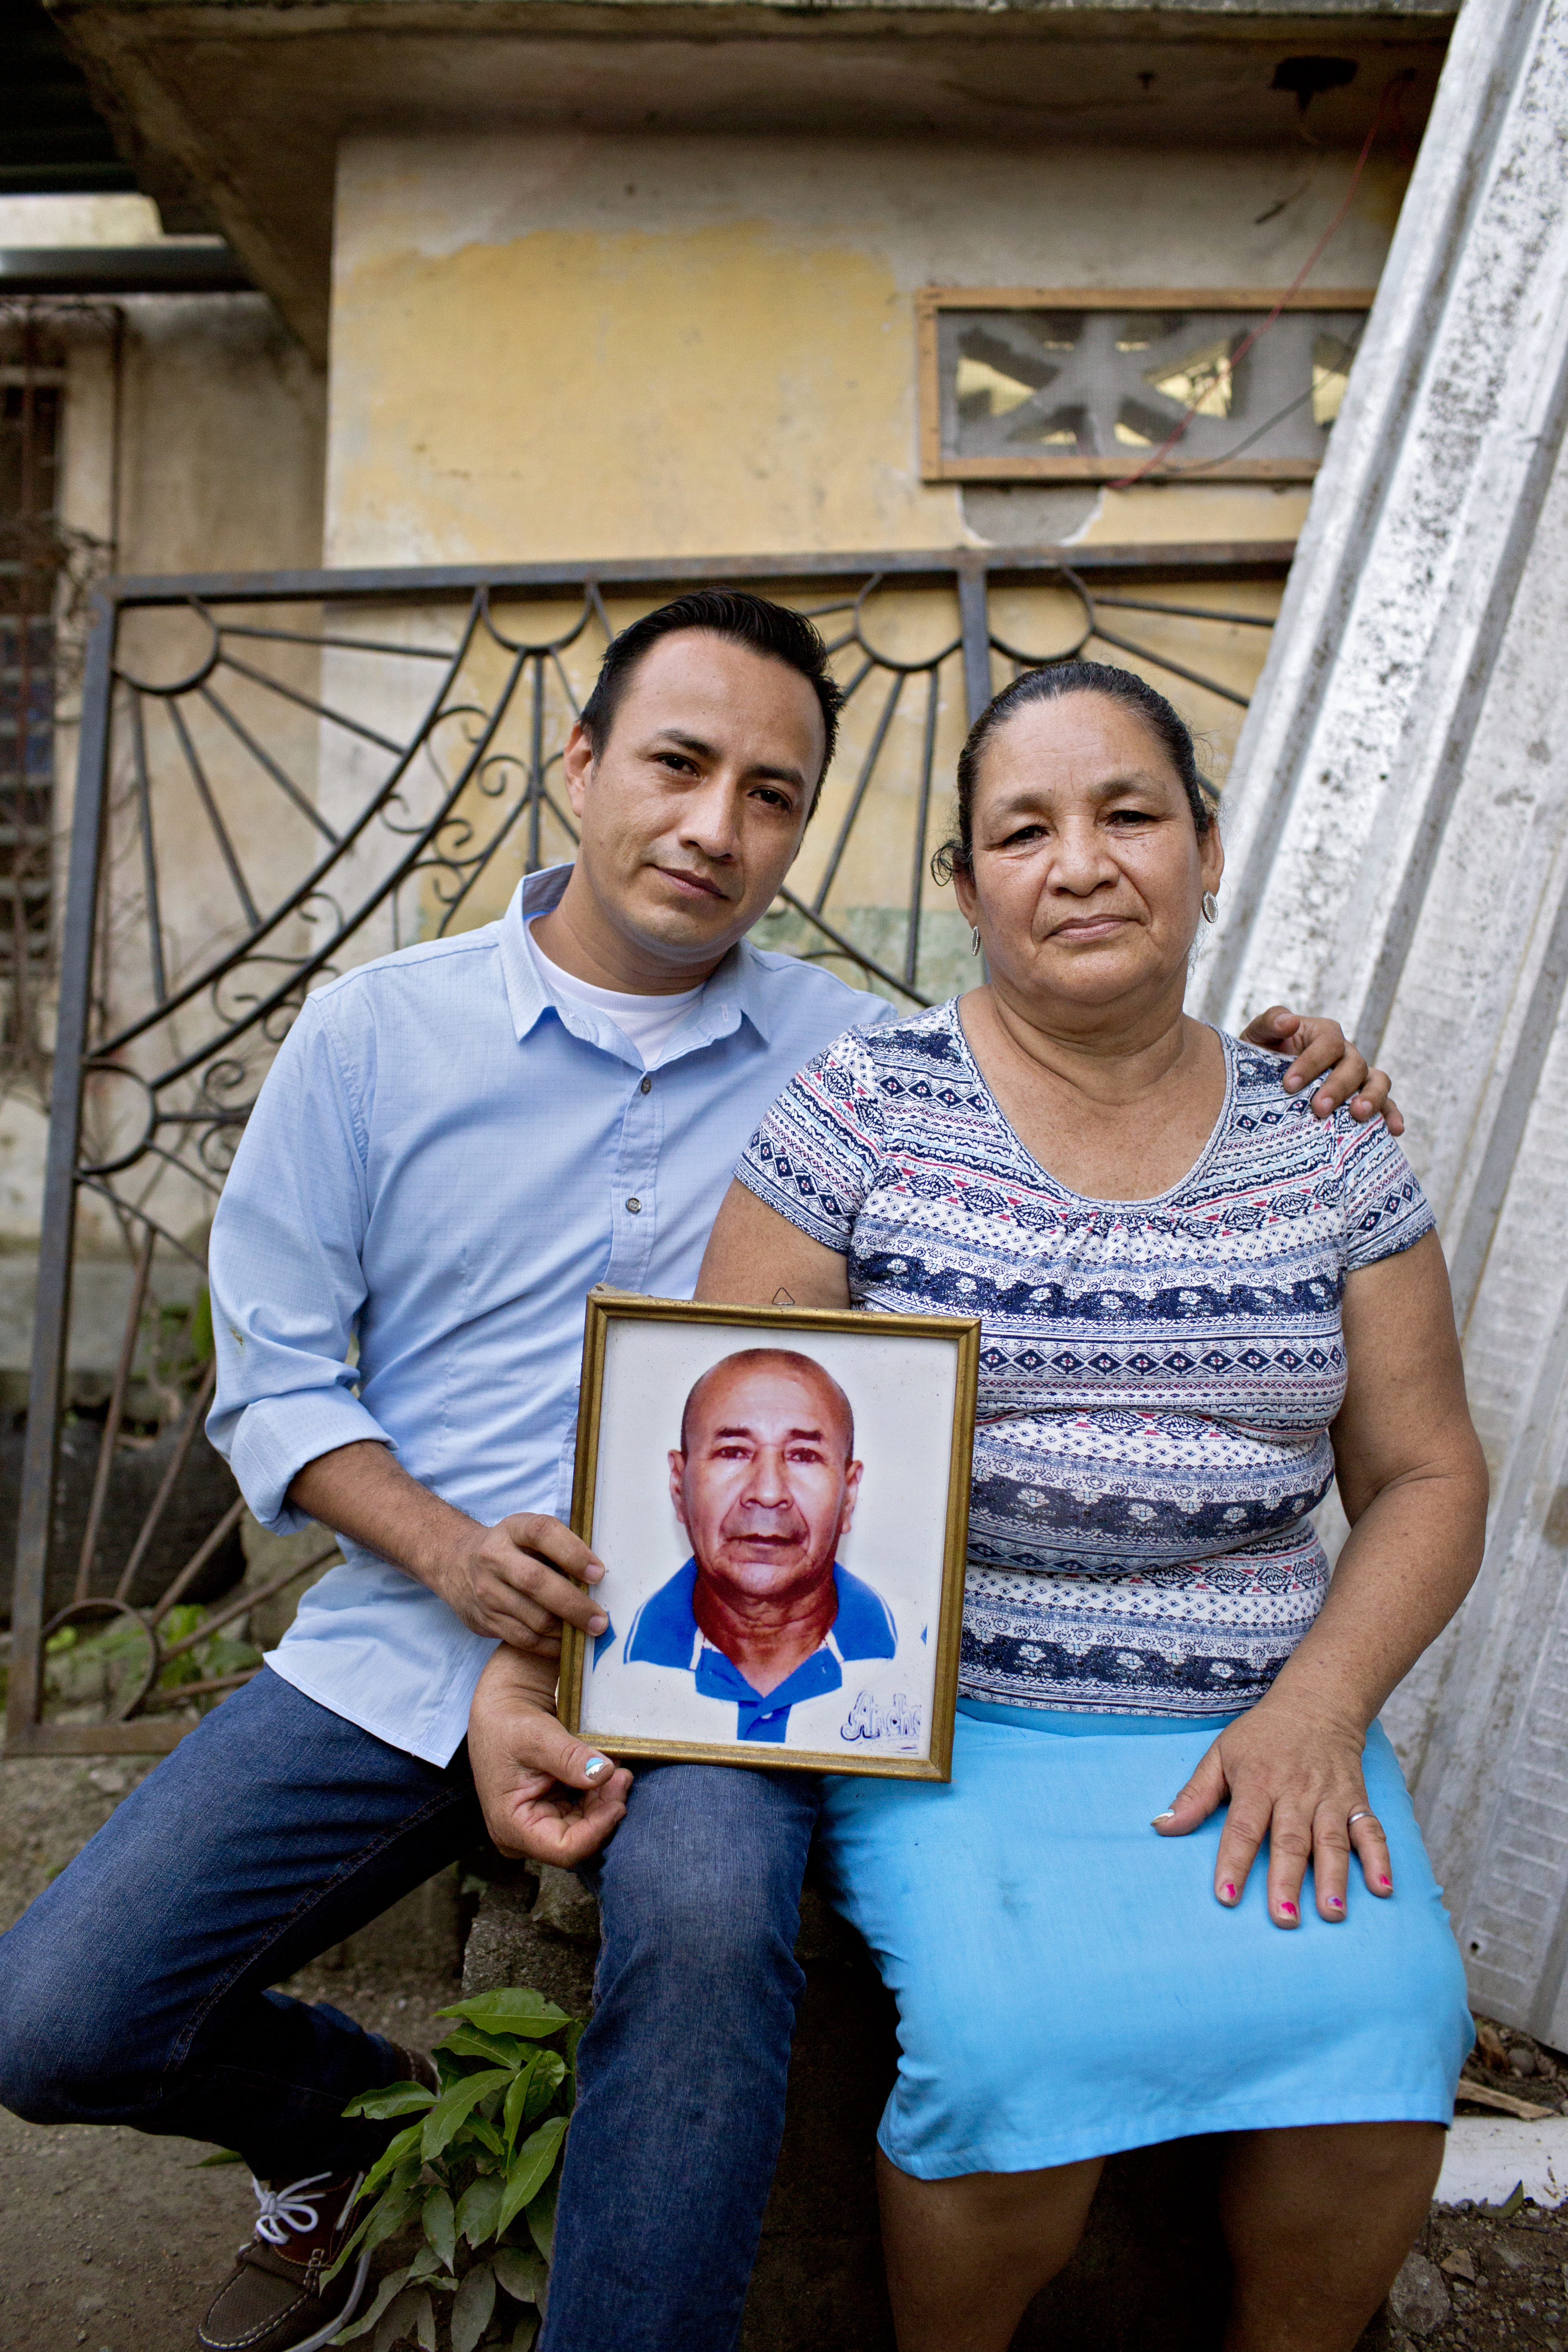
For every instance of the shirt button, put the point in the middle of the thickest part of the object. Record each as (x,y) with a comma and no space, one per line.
(645,1085)
(633,1205)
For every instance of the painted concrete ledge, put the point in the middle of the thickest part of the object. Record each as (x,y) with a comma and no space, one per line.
(1485,2161)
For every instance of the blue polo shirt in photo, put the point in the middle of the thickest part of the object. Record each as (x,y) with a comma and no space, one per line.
(665,1633)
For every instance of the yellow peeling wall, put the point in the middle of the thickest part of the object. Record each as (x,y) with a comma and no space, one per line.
(553,345)
(572,346)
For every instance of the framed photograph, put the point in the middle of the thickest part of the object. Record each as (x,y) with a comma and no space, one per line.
(780,1497)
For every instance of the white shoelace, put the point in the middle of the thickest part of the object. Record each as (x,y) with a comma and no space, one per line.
(286,2210)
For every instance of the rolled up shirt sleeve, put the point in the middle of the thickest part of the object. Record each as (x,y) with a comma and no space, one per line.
(287,1277)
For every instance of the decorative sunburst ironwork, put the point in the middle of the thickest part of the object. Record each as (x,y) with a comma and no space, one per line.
(282,775)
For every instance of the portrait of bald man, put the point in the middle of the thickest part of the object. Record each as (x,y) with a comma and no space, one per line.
(762,1615)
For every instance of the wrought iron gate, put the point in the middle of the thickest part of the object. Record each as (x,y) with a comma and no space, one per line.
(280,775)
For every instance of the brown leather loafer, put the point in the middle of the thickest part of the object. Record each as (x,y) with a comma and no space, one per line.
(276,2298)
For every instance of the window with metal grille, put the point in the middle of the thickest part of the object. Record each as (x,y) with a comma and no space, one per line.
(1098,386)
(30,402)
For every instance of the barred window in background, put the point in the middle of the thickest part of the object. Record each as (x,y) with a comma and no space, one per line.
(47,570)
(30,405)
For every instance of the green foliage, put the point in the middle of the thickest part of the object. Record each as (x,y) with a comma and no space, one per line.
(177,1346)
(94,1664)
(473,2307)
(222,1655)
(512,2010)
(102,1664)
(441,2227)
(542,2220)
(477,2166)
(398,2099)
(201,1327)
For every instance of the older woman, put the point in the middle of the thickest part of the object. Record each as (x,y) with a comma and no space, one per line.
(1199,1305)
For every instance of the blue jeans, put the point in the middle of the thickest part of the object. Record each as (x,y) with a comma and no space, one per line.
(682,2071)
(135,1990)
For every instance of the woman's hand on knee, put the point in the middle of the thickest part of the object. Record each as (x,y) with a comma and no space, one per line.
(1294,1778)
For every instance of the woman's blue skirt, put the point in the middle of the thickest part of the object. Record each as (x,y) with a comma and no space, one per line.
(1067,1984)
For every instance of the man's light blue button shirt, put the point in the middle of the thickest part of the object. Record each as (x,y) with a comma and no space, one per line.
(443,1161)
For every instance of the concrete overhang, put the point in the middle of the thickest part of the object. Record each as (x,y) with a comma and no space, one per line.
(232,109)
(173,266)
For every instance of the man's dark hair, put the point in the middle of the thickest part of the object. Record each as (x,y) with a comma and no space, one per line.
(1054,683)
(742,620)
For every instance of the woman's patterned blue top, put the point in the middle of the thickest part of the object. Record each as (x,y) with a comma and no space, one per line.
(1157,1378)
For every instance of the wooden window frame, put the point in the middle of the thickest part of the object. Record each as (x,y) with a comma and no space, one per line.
(937,466)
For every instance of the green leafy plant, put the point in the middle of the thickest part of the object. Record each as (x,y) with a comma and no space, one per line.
(177,1347)
(477,2168)
(221,1655)
(100,1664)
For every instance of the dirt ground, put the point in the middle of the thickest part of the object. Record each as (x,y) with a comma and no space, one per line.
(1507,2284)
(110,2239)
(115,2241)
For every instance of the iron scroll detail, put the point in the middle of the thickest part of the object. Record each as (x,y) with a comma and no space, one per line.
(283,774)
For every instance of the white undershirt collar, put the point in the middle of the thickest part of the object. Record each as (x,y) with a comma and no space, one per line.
(648,1023)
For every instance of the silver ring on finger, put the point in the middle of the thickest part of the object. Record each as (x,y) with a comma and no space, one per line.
(1365,1815)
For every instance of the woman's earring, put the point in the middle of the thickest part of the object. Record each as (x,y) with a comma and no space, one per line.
(1211,908)
(974,938)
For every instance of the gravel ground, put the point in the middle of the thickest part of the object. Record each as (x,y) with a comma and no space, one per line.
(49,1807)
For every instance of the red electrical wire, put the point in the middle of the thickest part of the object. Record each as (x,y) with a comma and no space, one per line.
(1390,89)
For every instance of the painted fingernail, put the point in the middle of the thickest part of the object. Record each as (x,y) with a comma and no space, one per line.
(596,1768)
(1336,1902)
(1227,1893)
(1289,1909)
(1386,1881)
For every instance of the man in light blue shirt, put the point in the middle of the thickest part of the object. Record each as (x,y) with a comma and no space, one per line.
(459,1233)
(453,1145)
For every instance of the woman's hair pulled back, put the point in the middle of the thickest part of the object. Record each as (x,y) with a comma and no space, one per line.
(1054,683)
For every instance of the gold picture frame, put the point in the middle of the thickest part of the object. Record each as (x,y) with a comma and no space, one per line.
(626,1381)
